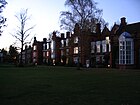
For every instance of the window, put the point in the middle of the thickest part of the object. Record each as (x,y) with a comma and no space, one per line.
(48,46)
(67,51)
(126,50)
(34,47)
(104,46)
(44,54)
(47,53)
(44,46)
(75,50)
(76,39)
(52,53)
(107,40)
(67,42)
(92,47)
(108,44)
(62,43)
(62,52)
(98,46)
(34,54)
(53,45)
(34,60)
(75,59)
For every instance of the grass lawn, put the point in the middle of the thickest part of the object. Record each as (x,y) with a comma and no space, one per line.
(67,86)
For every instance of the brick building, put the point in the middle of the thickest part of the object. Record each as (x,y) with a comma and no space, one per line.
(125,41)
(117,48)
(37,56)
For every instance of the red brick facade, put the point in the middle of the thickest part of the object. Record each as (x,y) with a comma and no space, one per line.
(100,49)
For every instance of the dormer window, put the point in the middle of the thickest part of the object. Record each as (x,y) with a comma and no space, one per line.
(126,49)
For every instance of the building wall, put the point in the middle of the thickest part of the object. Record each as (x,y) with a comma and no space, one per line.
(107,40)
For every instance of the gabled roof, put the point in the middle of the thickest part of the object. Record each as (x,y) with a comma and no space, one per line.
(105,31)
(114,28)
(132,28)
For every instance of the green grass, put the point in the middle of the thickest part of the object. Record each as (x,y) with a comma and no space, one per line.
(68,86)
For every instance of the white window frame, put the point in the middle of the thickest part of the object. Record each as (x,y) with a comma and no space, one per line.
(126,56)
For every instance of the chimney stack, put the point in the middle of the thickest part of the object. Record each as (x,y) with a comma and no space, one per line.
(35,39)
(44,39)
(62,35)
(67,34)
(123,21)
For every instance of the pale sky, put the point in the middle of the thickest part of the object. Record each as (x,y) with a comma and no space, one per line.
(45,15)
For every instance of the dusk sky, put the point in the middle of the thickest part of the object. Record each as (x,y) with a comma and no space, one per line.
(45,15)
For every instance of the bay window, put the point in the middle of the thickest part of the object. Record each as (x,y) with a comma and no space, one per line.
(126,49)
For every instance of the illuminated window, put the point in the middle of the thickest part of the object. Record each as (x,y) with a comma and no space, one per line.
(108,43)
(62,43)
(126,49)
(48,46)
(34,47)
(47,53)
(76,39)
(75,50)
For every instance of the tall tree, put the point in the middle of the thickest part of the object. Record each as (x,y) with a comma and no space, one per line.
(83,12)
(2,18)
(23,31)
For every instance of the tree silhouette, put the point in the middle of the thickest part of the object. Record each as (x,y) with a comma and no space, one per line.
(13,53)
(83,12)
(2,18)
(23,32)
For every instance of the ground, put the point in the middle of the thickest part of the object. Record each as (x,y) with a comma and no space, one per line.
(50,85)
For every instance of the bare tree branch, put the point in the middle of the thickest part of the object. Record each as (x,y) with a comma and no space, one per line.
(22,33)
(81,12)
